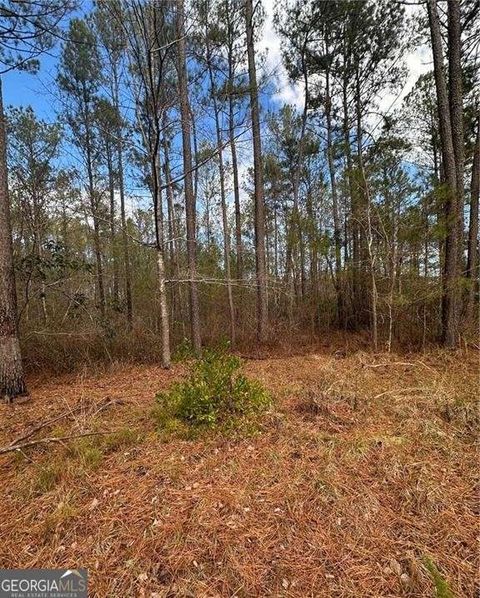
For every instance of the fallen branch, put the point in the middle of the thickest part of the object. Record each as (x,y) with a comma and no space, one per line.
(51,421)
(19,447)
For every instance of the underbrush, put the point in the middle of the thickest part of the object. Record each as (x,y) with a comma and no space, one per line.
(78,459)
(216,395)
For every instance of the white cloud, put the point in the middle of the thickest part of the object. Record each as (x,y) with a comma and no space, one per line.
(270,44)
(418,62)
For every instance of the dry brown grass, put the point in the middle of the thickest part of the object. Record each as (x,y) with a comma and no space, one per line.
(359,474)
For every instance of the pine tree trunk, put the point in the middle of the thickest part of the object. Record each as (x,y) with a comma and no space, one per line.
(176,296)
(336,218)
(362,302)
(125,244)
(450,299)
(455,89)
(223,201)
(233,147)
(160,249)
(111,192)
(262,307)
(472,256)
(94,209)
(190,207)
(123,219)
(351,224)
(236,191)
(12,380)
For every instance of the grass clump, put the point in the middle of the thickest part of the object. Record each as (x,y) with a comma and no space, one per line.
(47,478)
(119,440)
(442,589)
(216,394)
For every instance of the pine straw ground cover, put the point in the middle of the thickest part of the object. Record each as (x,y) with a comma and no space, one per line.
(363,473)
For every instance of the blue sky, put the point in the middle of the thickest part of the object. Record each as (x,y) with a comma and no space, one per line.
(23,89)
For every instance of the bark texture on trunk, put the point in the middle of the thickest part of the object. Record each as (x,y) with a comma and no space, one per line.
(455,89)
(190,207)
(262,307)
(12,380)
(161,272)
(450,300)
(223,200)
(336,217)
(125,244)
(92,195)
(472,256)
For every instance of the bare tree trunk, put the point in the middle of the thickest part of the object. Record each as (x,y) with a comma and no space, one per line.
(313,258)
(262,307)
(160,249)
(121,188)
(111,191)
(236,191)
(126,248)
(362,207)
(472,257)
(450,299)
(223,200)
(373,281)
(455,89)
(12,380)
(351,225)
(233,146)
(94,207)
(190,202)
(393,277)
(336,218)
(174,242)
(162,294)
(298,170)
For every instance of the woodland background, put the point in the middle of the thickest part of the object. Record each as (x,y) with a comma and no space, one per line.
(172,203)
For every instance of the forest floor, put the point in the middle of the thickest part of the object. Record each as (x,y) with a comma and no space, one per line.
(360,483)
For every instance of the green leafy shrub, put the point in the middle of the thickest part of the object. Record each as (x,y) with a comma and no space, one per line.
(215,394)
(183,352)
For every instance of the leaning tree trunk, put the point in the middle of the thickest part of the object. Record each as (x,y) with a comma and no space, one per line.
(190,207)
(12,381)
(262,305)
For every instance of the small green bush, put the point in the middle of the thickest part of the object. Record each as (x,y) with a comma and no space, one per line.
(215,394)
